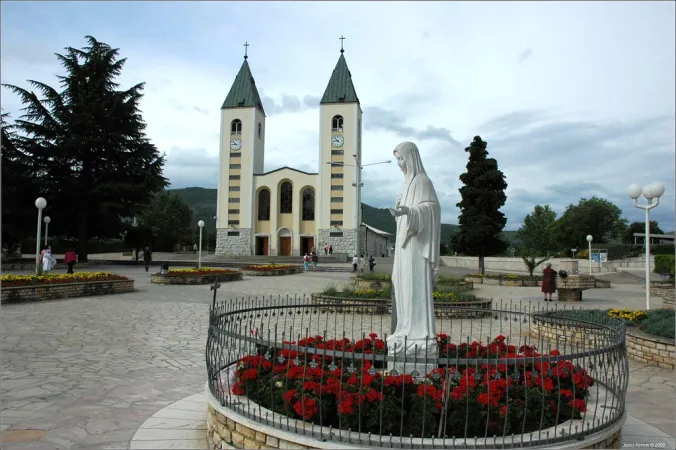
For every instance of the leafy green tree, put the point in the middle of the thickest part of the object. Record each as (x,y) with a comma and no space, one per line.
(167,219)
(596,216)
(639,227)
(535,233)
(532,262)
(88,141)
(19,190)
(483,194)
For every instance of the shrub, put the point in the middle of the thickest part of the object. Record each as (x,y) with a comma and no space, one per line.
(61,245)
(659,322)
(375,277)
(664,264)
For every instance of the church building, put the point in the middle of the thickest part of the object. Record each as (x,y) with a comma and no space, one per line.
(288,211)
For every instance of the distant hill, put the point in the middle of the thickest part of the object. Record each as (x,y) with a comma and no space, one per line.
(203,204)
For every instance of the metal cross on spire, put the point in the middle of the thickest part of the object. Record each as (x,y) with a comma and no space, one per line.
(342,38)
(246,47)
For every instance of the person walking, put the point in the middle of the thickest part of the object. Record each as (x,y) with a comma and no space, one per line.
(315,260)
(330,249)
(147,257)
(326,248)
(548,282)
(194,248)
(372,263)
(306,262)
(48,261)
(70,258)
(355,262)
(362,264)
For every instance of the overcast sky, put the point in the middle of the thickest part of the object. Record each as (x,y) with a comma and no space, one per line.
(575,99)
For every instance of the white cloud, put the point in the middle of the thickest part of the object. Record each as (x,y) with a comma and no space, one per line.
(579,115)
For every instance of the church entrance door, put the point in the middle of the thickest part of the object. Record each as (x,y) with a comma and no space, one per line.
(285,246)
(262,245)
(306,244)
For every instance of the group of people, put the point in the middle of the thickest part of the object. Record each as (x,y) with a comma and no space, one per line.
(48,260)
(311,258)
(361,263)
(328,249)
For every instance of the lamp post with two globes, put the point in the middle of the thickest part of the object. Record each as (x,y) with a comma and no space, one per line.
(199,257)
(651,192)
(40,204)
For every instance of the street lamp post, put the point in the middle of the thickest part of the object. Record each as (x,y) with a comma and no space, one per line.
(651,192)
(199,258)
(46,220)
(358,185)
(40,203)
(589,240)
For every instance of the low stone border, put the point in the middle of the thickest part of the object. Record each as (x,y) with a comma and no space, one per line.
(65,290)
(382,306)
(640,346)
(490,281)
(272,273)
(650,349)
(184,279)
(226,427)
(665,291)
(461,286)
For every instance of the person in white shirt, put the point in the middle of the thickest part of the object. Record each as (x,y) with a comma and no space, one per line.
(48,261)
(362,263)
(355,262)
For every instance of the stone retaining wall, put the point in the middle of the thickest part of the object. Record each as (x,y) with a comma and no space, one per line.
(579,282)
(195,279)
(227,428)
(665,291)
(271,273)
(650,349)
(461,286)
(65,290)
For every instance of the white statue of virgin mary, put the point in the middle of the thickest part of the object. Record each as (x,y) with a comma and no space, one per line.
(416,262)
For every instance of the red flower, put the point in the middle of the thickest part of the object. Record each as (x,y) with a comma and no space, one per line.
(459,392)
(486,399)
(289,396)
(373,335)
(312,386)
(429,390)
(373,395)
(499,338)
(249,374)
(237,389)
(380,344)
(566,393)
(332,386)
(503,410)
(578,404)
(346,407)
(306,409)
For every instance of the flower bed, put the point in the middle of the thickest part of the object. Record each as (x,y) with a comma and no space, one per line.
(349,393)
(384,281)
(515,280)
(53,291)
(8,281)
(204,275)
(271,270)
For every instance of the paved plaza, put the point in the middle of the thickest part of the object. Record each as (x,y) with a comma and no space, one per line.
(128,369)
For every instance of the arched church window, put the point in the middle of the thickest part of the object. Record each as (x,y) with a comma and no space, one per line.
(264,204)
(337,123)
(236,127)
(260,133)
(286,198)
(309,204)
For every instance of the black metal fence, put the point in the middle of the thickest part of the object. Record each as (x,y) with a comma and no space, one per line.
(521,377)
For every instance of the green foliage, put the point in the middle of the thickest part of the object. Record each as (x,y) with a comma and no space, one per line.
(532,263)
(61,245)
(664,264)
(660,322)
(596,216)
(19,190)
(535,234)
(639,227)
(483,194)
(87,145)
(167,218)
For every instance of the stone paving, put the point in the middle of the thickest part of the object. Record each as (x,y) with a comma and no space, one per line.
(88,372)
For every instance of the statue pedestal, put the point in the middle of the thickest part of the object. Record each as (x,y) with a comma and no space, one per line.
(406,353)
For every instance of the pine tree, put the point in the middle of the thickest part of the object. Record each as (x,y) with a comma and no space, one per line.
(483,194)
(89,142)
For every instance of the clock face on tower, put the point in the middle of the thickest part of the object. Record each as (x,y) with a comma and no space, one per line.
(337,141)
(236,144)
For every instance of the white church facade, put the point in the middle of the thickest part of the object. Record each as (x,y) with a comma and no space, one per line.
(288,211)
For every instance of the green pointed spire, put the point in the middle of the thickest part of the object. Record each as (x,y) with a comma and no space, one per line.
(243,92)
(340,88)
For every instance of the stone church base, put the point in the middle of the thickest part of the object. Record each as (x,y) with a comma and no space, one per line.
(233,245)
(341,244)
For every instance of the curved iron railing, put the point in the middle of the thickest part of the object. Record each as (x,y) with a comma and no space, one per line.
(523,376)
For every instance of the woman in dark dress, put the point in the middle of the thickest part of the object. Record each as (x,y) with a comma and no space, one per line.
(548,282)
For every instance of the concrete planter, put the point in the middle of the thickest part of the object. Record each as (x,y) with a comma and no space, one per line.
(650,349)
(664,291)
(65,290)
(188,279)
(271,273)
(572,282)
(358,283)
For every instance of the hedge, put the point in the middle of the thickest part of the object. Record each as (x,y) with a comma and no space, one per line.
(621,251)
(61,245)
(664,264)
